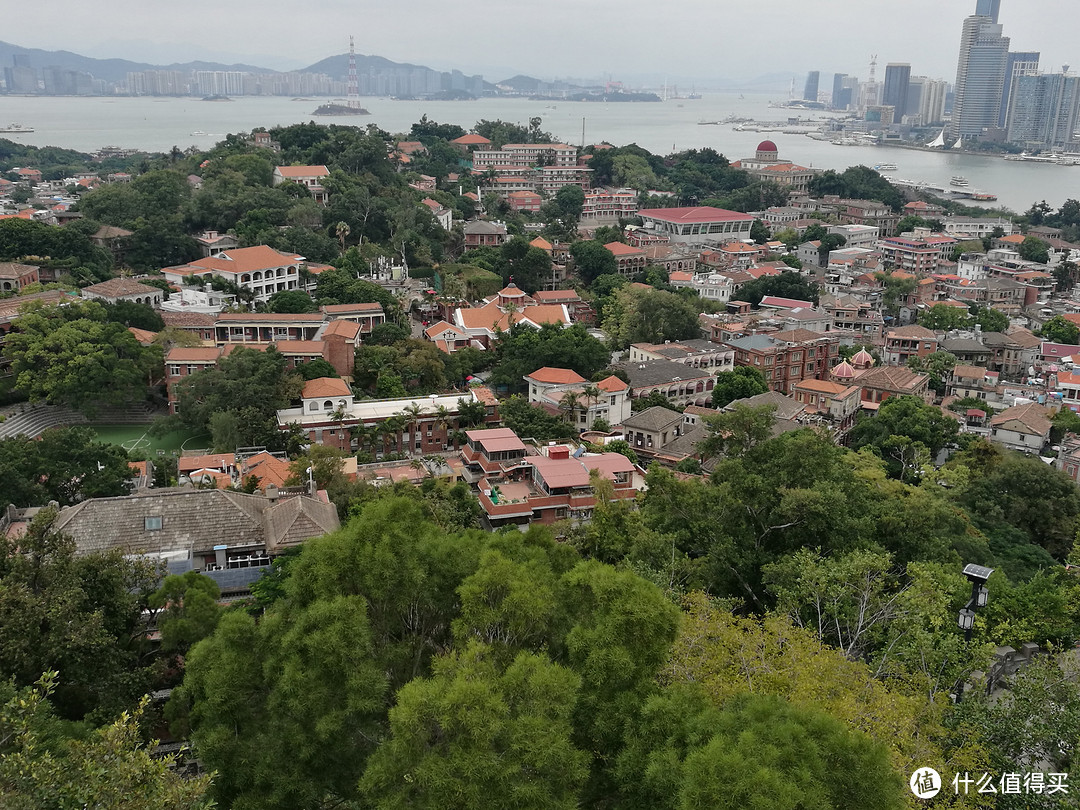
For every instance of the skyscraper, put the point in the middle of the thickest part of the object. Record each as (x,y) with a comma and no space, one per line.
(980,73)
(810,91)
(1017,64)
(988,8)
(1044,109)
(840,100)
(895,94)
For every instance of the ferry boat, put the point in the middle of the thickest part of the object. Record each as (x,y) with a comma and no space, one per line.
(885,167)
(16,128)
(961,182)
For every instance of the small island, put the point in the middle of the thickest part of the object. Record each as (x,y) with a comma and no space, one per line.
(340,108)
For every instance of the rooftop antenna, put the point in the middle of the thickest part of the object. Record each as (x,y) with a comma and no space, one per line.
(353,90)
(873,65)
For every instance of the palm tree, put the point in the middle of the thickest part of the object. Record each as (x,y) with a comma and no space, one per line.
(443,418)
(393,427)
(411,414)
(342,230)
(592,395)
(569,406)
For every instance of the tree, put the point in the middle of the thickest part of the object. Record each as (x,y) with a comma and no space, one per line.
(737,431)
(990,319)
(141,316)
(759,232)
(622,447)
(387,334)
(523,349)
(829,243)
(1059,330)
(188,610)
(739,383)
(42,767)
(649,316)
(592,259)
(900,428)
(74,356)
(766,752)
(943,318)
(1034,249)
(786,285)
(291,301)
(476,736)
(65,465)
(937,365)
(342,231)
(532,422)
(1065,274)
(79,615)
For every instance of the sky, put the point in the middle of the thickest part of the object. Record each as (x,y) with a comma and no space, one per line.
(630,40)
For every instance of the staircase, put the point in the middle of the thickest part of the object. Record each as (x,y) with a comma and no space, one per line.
(33,420)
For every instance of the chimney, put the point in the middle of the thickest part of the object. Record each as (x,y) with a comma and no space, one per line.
(271,493)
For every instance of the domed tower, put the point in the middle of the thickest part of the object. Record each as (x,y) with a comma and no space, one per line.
(843,373)
(766,150)
(511,295)
(862,360)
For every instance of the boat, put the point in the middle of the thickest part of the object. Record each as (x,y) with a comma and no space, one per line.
(984,196)
(16,128)
(885,167)
(960,182)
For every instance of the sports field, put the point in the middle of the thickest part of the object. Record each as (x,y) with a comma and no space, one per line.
(137,437)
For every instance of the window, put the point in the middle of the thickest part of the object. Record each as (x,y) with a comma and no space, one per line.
(174,371)
(152,523)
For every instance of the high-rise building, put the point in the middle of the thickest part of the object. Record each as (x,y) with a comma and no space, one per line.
(1018,64)
(988,8)
(931,109)
(980,73)
(1043,110)
(895,94)
(838,98)
(810,91)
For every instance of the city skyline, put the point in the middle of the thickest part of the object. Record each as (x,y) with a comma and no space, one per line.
(448,39)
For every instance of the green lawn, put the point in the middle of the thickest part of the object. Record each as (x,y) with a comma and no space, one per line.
(128,435)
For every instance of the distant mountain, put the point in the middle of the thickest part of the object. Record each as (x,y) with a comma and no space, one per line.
(529,84)
(337,66)
(111,70)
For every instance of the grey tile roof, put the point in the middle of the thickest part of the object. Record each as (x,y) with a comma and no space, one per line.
(660,372)
(752,342)
(655,418)
(786,407)
(193,521)
(964,345)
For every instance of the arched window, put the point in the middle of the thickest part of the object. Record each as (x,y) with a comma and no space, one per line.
(328,405)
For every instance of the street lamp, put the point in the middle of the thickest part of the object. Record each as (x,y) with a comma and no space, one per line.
(977,575)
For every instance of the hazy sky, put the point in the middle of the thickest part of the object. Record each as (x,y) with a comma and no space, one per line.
(548,38)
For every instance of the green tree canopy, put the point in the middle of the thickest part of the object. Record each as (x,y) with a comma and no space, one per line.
(291,301)
(74,356)
(942,318)
(739,383)
(904,429)
(523,349)
(592,259)
(1034,249)
(786,285)
(65,464)
(1059,330)
(649,316)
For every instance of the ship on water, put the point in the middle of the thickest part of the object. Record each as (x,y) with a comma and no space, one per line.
(18,128)
(351,104)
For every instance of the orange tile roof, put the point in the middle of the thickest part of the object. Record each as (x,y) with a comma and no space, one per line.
(612,384)
(367,307)
(326,387)
(621,249)
(489,316)
(304,347)
(303,171)
(822,387)
(211,461)
(144,336)
(347,329)
(471,138)
(267,468)
(541,243)
(193,355)
(244,260)
(556,376)
(1014,239)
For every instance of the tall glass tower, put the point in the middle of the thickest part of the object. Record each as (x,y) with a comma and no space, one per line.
(980,73)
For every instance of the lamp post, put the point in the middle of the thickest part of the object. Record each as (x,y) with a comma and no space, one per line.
(977,575)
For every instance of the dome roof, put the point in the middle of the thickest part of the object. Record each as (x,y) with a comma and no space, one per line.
(766,146)
(844,371)
(862,358)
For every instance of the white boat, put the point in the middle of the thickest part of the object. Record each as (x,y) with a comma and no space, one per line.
(16,128)
(885,167)
(961,182)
